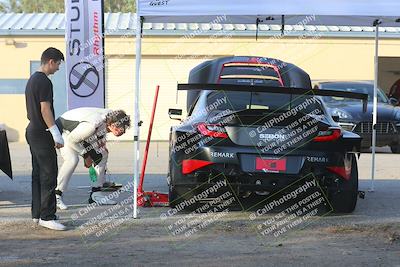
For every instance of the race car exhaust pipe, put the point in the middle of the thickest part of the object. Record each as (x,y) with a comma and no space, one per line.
(261,193)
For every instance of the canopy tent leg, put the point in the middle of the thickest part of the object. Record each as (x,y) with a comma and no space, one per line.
(138,57)
(375,104)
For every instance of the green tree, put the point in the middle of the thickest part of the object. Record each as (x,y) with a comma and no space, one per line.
(10,6)
(14,6)
(120,6)
(49,6)
(3,7)
(40,6)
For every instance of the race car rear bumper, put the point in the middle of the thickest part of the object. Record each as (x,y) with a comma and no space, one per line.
(240,170)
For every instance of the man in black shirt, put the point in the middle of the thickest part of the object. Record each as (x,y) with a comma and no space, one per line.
(43,137)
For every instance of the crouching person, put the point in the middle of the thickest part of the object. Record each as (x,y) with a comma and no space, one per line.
(84,131)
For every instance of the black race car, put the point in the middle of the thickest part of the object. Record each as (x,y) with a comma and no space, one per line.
(257,122)
(347,112)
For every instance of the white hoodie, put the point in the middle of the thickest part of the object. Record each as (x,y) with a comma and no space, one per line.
(84,126)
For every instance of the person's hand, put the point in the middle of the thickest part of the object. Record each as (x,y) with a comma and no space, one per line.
(88,162)
(57,145)
(58,140)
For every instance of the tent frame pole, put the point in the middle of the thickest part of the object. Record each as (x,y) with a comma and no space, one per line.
(375,104)
(138,58)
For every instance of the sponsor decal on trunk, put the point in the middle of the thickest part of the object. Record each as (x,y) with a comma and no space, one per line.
(269,137)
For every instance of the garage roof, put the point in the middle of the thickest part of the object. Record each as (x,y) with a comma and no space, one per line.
(125,23)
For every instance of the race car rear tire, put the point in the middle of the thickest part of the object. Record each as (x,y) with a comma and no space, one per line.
(175,199)
(173,196)
(345,199)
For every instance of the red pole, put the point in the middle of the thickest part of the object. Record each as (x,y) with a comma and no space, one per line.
(146,151)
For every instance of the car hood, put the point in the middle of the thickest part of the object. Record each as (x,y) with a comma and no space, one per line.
(386,112)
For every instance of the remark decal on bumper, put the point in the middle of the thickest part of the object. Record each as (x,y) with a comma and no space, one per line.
(317,159)
(222,155)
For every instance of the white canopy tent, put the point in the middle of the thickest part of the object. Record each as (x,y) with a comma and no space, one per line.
(283,12)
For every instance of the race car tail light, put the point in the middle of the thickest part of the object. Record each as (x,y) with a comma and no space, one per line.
(190,165)
(212,130)
(343,171)
(331,134)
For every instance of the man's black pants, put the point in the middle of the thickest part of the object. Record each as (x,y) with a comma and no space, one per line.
(44,174)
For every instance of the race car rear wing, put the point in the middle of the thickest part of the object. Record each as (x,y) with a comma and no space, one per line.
(276,90)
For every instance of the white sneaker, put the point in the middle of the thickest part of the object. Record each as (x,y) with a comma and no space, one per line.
(60,203)
(101,199)
(53,225)
(35,220)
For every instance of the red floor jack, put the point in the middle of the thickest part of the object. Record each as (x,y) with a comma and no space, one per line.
(150,199)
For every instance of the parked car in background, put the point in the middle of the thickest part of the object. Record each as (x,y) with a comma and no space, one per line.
(395,91)
(347,113)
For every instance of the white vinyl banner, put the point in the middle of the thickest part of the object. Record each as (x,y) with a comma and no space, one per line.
(85,53)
